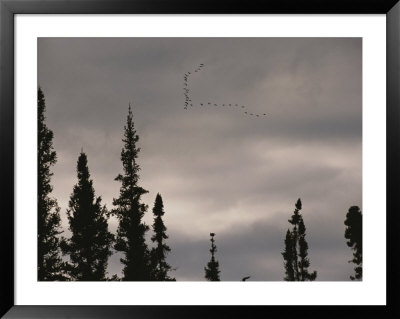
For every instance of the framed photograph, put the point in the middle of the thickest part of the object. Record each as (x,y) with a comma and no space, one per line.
(150,148)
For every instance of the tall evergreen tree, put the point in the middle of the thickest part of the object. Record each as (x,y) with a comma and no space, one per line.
(160,267)
(295,255)
(288,257)
(130,211)
(90,244)
(212,269)
(353,233)
(50,265)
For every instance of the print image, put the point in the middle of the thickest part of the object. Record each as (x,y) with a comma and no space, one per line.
(199,159)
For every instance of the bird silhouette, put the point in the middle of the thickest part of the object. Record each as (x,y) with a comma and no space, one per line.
(245,278)
(212,234)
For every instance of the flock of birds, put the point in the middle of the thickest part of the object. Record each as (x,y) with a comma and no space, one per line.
(189,103)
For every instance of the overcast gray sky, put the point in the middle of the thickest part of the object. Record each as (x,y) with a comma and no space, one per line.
(217,169)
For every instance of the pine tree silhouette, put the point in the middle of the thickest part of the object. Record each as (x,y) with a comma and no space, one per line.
(130,211)
(90,244)
(353,233)
(212,269)
(50,265)
(295,255)
(288,256)
(159,267)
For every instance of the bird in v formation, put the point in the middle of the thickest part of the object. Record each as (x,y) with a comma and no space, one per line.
(187,98)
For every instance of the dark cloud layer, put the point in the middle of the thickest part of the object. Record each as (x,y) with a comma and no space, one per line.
(216,168)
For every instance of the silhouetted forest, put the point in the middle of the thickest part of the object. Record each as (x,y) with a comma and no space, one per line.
(84,255)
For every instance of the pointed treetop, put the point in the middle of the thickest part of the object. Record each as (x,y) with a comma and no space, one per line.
(296,214)
(130,107)
(158,209)
(298,204)
(129,111)
(212,270)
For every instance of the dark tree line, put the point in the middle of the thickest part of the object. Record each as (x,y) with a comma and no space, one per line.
(90,244)
(87,251)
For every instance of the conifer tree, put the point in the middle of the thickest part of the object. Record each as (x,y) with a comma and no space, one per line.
(130,211)
(295,255)
(353,233)
(160,267)
(212,269)
(50,265)
(90,244)
(288,257)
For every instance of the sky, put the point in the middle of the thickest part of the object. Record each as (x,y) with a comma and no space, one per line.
(217,169)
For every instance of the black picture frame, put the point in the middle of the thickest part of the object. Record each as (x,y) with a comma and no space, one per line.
(9,8)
